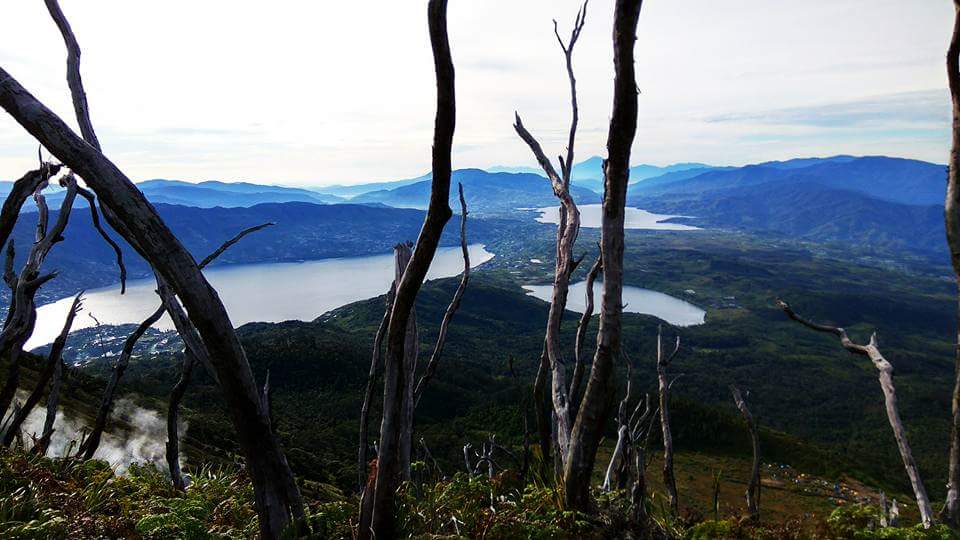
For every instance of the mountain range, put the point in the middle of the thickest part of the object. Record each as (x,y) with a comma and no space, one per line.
(874,201)
(485,192)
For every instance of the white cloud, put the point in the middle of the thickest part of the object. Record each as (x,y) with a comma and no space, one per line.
(320,92)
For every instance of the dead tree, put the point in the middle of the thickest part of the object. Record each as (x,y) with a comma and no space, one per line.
(663,361)
(641,426)
(127,211)
(381,521)
(411,352)
(375,361)
(753,487)
(567,231)
(588,428)
(951,212)
(173,419)
(623,435)
(22,314)
(52,366)
(885,373)
(92,442)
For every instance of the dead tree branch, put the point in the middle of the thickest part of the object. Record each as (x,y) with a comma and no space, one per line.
(173,419)
(451,309)
(23,310)
(92,442)
(885,374)
(753,486)
(54,359)
(578,369)
(375,361)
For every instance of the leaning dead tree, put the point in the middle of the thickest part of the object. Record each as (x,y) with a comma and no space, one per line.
(951,212)
(125,208)
(753,487)
(52,368)
(589,425)
(567,230)
(663,362)
(885,373)
(92,442)
(380,523)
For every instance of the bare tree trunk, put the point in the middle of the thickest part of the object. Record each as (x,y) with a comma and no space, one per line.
(53,402)
(753,487)
(567,231)
(543,408)
(173,419)
(23,310)
(368,393)
(411,352)
(885,374)
(663,361)
(54,358)
(438,213)
(588,428)
(951,510)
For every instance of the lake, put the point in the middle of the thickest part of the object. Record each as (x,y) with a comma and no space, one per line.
(272,292)
(634,218)
(635,300)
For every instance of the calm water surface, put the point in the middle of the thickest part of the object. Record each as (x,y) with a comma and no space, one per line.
(271,292)
(634,218)
(635,300)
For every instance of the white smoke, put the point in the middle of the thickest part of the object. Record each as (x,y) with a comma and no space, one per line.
(144,442)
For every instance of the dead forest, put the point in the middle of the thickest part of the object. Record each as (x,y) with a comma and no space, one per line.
(588,428)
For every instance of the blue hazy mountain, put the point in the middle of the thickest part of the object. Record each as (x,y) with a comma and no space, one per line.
(348,192)
(589,172)
(905,181)
(486,193)
(873,201)
(210,194)
(207,194)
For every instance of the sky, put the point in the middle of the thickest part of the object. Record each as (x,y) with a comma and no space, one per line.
(310,93)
